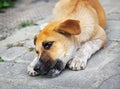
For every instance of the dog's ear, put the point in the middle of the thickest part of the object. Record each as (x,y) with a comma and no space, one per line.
(35,38)
(69,27)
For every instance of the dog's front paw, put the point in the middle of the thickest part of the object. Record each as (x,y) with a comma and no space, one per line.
(77,64)
(31,71)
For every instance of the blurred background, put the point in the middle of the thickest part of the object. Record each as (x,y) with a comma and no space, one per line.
(21,12)
(15,12)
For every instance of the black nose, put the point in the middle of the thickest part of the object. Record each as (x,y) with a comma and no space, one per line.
(37,67)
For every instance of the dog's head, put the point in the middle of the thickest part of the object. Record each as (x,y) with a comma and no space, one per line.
(55,45)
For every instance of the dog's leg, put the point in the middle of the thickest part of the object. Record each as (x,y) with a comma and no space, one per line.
(84,53)
(30,68)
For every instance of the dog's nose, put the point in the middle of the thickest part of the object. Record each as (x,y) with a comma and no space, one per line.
(37,67)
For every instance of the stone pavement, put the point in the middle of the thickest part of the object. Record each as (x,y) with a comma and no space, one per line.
(102,72)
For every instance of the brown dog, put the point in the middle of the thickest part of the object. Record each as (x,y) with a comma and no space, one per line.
(71,37)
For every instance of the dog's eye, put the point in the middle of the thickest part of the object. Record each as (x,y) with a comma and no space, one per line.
(47,45)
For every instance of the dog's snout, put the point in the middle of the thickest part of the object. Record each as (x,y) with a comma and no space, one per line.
(43,66)
(37,67)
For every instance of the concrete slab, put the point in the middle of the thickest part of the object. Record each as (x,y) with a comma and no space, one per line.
(111,83)
(13,53)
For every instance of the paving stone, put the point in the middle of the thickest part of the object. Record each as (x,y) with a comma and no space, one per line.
(5,85)
(113,31)
(21,35)
(116,10)
(110,7)
(104,56)
(30,43)
(26,58)
(4,32)
(3,49)
(13,53)
(114,35)
(114,16)
(12,86)
(113,25)
(111,83)
(110,69)
(109,2)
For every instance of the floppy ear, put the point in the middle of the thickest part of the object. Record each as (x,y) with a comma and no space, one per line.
(35,38)
(69,27)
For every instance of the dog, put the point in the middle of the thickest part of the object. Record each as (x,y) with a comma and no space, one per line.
(75,32)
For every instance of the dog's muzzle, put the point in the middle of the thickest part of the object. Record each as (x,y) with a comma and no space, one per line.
(49,68)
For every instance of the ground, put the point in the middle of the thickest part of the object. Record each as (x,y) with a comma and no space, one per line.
(17,50)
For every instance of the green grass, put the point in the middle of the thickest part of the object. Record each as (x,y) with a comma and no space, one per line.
(26,24)
(5,4)
(1,60)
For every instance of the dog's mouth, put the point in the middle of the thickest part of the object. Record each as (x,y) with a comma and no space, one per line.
(48,68)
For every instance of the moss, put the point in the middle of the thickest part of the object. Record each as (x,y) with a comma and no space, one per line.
(9,46)
(19,44)
(6,4)
(1,59)
(2,38)
(31,49)
(26,24)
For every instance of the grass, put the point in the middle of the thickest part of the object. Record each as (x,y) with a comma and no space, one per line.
(31,49)
(6,4)
(16,45)
(19,44)
(10,46)
(1,59)
(2,38)
(26,24)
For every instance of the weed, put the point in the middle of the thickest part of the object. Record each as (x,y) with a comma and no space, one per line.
(9,46)
(5,4)
(31,49)
(2,38)
(26,24)
(16,45)
(19,44)
(1,59)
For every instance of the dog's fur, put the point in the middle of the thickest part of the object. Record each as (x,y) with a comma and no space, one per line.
(71,37)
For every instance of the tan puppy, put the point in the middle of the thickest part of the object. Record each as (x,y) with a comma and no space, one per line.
(71,37)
